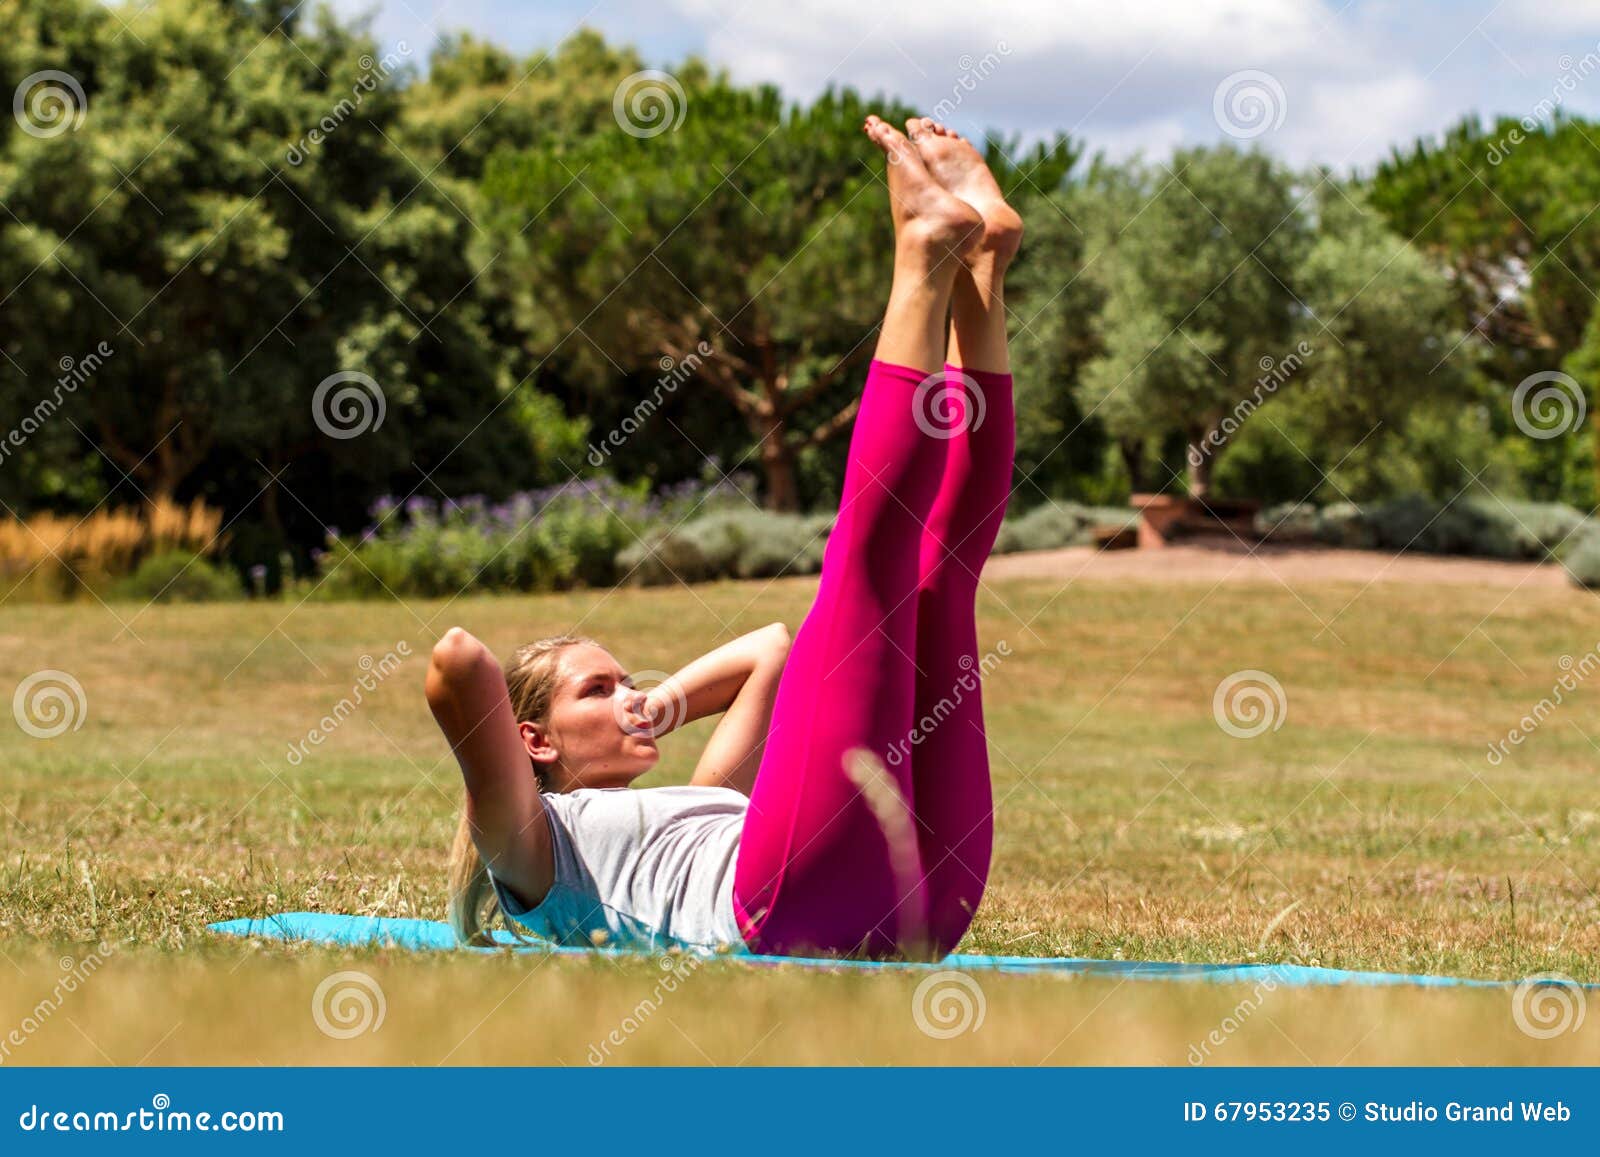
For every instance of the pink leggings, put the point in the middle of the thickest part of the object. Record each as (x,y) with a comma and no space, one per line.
(887,660)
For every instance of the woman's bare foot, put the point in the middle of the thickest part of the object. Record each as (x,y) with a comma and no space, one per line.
(961,169)
(928,217)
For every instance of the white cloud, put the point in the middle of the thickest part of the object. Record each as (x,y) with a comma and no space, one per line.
(1348,121)
(1575,16)
(1357,78)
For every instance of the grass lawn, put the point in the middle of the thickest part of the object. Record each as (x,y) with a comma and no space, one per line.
(1368,831)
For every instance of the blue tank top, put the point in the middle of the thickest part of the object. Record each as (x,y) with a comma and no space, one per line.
(647,867)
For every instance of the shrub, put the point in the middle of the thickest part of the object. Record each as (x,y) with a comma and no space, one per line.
(61,555)
(1289,520)
(734,543)
(1583,561)
(538,540)
(1057,524)
(1481,527)
(178,576)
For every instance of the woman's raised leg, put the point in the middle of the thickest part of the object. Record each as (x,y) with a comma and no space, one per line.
(827,861)
(950,762)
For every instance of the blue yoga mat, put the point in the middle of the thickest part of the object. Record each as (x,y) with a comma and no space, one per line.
(433,935)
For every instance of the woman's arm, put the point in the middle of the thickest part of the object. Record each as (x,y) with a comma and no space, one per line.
(466,691)
(740,679)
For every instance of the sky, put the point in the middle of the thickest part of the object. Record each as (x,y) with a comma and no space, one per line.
(1334,82)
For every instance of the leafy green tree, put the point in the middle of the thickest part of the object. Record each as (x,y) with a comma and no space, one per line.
(709,213)
(1052,302)
(1378,337)
(1195,259)
(232,216)
(1507,209)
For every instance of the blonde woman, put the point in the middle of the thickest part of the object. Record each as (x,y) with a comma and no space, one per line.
(812,825)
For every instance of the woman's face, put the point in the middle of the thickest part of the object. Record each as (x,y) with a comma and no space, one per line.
(597,725)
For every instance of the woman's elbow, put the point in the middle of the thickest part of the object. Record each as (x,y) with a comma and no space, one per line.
(456,657)
(777,641)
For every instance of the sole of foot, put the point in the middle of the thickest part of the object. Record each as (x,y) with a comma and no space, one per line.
(927,216)
(958,166)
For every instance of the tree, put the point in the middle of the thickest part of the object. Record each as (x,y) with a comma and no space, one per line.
(1195,259)
(1508,210)
(232,217)
(732,219)
(1375,340)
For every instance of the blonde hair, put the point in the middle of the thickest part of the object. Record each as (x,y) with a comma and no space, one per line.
(531,677)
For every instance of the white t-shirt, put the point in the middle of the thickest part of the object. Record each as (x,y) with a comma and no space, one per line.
(647,866)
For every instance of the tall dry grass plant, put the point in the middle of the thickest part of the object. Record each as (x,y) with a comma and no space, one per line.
(56,557)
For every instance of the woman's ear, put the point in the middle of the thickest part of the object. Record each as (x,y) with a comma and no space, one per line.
(536,741)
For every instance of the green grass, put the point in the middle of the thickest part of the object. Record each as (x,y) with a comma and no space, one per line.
(1368,831)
